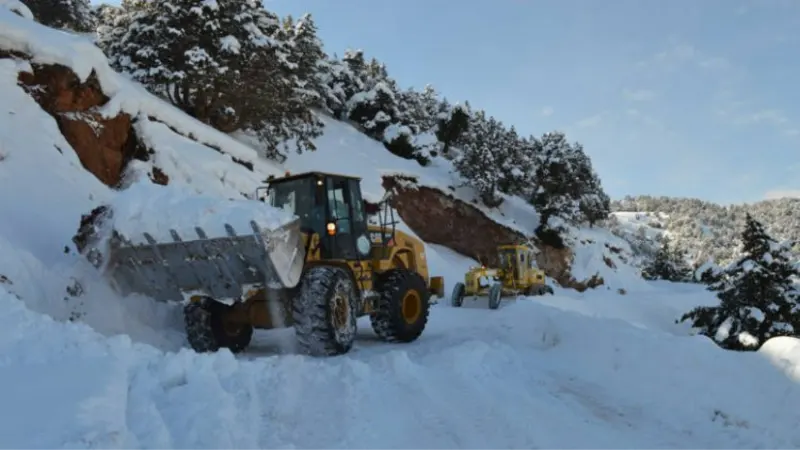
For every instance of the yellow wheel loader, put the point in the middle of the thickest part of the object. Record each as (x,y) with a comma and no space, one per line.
(516,275)
(317,274)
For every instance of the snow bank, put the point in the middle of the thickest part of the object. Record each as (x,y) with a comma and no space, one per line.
(145,207)
(50,46)
(186,162)
(784,353)
(41,203)
(568,381)
(597,252)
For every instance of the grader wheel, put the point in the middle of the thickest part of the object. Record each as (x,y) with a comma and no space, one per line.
(495,294)
(457,297)
(208,330)
(401,312)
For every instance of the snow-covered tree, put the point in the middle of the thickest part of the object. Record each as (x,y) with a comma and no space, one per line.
(668,264)
(594,204)
(452,127)
(479,163)
(306,52)
(555,182)
(222,62)
(705,230)
(69,14)
(758,295)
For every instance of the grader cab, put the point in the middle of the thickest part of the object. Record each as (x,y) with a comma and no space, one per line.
(517,275)
(317,274)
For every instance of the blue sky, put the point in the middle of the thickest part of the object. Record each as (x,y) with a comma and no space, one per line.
(680,97)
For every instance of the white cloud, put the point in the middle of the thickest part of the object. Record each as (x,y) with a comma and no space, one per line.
(772,116)
(681,54)
(715,62)
(782,193)
(639,95)
(591,121)
(547,111)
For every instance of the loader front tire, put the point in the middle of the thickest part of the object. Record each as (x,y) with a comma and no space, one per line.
(207,330)
(325,312)
(402,307)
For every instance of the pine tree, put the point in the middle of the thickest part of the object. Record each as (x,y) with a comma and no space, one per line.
(69,14)
(306,52)
(668,264)
(227,64)
(377,105)
(555,180)
(514,162)
(594,204)
(452,128)
(340,84)
(758,295)
(478,163)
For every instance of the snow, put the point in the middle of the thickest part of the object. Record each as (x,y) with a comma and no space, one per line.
(51,46)
(344,149)
(145,207)
(784,352)
(543,376)
(593,369)
(650,224)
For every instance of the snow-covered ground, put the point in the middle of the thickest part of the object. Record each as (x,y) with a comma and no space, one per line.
(649,225)
(572,370)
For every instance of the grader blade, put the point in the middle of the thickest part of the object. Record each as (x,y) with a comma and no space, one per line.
(224,268)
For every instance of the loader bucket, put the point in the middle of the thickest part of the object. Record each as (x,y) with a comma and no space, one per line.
(227,269)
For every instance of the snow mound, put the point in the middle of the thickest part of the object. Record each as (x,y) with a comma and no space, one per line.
(148,208)
(783,352)
(592,387)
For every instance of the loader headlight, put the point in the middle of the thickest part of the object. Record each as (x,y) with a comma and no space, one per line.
(363,245)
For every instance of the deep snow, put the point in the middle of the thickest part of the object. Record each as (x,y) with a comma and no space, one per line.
(571,370)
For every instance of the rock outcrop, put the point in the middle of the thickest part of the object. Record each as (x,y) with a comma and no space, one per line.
(440,218)
(103,145)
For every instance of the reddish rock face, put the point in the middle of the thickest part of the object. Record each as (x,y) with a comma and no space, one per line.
(440,218)
(104,145)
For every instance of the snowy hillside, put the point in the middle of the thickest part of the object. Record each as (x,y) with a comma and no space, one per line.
(707,230)
(84,367)
(344,149)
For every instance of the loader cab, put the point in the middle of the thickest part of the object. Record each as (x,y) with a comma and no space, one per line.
(329,205)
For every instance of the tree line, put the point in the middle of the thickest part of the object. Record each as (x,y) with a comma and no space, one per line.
(238,67)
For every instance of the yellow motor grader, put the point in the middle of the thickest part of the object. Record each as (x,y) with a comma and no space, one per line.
(317,274)
(515,276)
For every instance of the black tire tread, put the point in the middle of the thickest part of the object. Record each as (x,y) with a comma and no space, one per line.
(204,328)
(313,326)
(387,320)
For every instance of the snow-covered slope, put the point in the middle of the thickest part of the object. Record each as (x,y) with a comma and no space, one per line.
(573,370)
(344,149)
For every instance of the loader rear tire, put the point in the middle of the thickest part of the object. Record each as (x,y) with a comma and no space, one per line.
(401,310)
(206,330)
(325,312)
